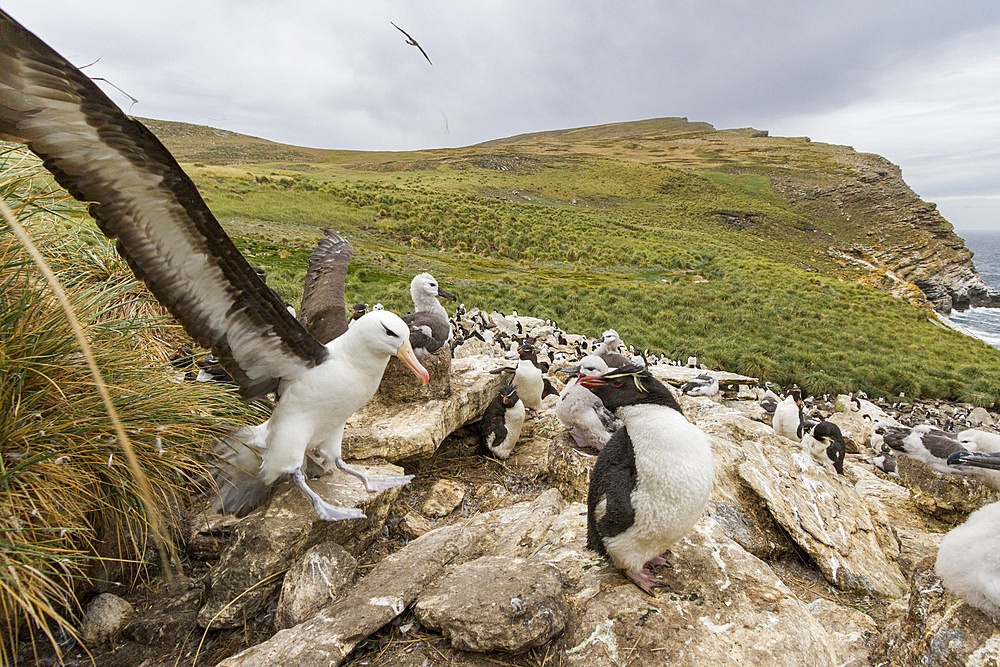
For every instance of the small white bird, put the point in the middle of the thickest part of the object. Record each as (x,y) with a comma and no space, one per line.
(590,423)
(787,420)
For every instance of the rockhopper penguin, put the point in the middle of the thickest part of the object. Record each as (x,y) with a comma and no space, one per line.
(825,440)
(502,423)
(653,479)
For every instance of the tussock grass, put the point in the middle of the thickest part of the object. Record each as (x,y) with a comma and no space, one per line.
(67,498)
(595,242)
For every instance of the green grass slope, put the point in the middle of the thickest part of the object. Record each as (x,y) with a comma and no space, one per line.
(672,232)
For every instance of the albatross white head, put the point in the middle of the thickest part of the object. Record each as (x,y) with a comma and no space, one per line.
(425,291)
(382,334)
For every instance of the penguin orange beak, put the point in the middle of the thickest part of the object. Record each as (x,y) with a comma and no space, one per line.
(591,381)
(406,355)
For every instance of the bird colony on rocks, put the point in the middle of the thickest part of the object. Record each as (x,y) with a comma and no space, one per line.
(768,517)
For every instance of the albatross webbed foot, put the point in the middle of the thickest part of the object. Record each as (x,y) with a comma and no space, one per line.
(325,510)
(375,483)
(656,560)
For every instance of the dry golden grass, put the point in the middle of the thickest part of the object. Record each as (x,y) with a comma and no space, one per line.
(65,488)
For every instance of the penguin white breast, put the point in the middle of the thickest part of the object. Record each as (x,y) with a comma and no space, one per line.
(674,471)
(528,380)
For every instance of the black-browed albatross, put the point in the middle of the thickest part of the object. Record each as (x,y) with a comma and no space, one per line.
(142,198)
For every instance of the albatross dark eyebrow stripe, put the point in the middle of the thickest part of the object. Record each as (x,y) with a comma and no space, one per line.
(142,198)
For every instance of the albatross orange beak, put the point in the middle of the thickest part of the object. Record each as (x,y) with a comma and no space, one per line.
(406,355)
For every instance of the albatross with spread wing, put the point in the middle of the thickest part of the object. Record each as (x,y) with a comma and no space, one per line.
(140,197)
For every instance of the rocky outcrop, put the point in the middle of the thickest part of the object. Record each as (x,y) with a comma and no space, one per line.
(720,603)
(889,226)
(274,536)
(401,430)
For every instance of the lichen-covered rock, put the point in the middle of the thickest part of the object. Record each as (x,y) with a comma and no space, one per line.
(495,603)
(104,617)
(272,537)
(313,582)
(938,628)
(167,617)
(946,497)
(569,467)
(397,431)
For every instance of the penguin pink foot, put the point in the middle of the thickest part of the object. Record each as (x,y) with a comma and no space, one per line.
(644,579)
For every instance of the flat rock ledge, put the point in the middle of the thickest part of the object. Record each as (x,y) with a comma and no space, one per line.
(399,431)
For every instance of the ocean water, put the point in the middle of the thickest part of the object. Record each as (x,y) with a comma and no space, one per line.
(983,323)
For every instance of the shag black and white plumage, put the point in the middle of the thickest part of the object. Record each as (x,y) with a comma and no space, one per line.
(705,384)
(430,329)
(590,423)
(652,481)
(824,440)
(502,423)
(140,197)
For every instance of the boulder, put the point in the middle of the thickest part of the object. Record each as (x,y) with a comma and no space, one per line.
(400,385)
(824,515)
(857,430)
(413,525)
(980,417)
(946,497)
(398,431)
(814,506)
(313,582)
(938,628)
(495,603)
(104,617)
(208,534)
(272,537)
(443,497)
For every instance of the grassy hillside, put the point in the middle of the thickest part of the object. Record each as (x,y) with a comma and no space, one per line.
(669,231)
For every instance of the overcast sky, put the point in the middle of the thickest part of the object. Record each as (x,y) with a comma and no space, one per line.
(917,82)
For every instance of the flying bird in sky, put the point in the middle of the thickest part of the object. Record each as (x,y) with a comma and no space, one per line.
(412,42)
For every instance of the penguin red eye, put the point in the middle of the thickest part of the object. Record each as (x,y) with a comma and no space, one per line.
(618,383)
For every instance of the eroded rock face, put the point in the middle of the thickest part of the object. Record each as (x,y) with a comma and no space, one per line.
(938,628)
(397,431)
(496,603)
(443,497)
(272,537)
(313,582)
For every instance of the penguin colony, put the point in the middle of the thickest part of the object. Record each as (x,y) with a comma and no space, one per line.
(653,475)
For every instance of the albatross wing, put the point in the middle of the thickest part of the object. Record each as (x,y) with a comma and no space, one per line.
(323,313)
(142,198)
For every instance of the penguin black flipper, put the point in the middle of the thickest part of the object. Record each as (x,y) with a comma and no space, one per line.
(548,389)
(493,428)
(611,482)
(836,452)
